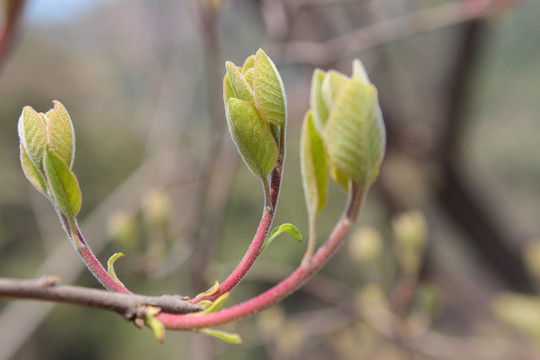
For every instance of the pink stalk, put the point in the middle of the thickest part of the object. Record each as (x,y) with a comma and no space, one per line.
(89,258)
(271,198)
(281,290)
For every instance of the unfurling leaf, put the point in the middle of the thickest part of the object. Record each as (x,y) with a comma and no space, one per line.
(210,291)
(313,167)
(289,228)
(153,323)
(63,184)
(60,134)
(33,174)
(354,134)
(332,84)
(212,306)
(228,337)
(239,85)
(269,91)
(317,103)
(32,129)
(110,266)
(252,137)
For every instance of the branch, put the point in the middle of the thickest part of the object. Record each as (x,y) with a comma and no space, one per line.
(383,32)
(13,15)
(131,307)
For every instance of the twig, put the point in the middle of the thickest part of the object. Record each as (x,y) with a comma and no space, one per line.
(129,306)
(13,15)
(378,34)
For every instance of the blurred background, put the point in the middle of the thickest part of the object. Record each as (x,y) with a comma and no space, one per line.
(443,263)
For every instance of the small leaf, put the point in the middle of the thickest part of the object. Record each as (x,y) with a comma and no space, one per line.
(359,71)
(269,91)
(354,134)
(248,64)
(248,75)
(154,324)
(210,291)
(318,105)
(223,335)
(252,137)
(32,173)
(313,167)
(63,184)
(110,266)
(33,135)
(289,228)
(228,91)
(332,84)
(239,85)
(60,134)
(213,306)
(339,176)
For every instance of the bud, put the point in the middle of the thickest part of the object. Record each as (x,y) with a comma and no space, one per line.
(410,230)
(365,245)
(255,105)
(122,228)
(157,209)
(47,154)
(347,115)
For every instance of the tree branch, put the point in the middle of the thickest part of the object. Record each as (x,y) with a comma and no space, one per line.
(131,307)
(13,15)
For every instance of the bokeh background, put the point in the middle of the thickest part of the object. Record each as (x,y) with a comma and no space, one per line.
(459,85)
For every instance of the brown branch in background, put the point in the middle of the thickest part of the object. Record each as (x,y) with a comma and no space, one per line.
(380,33)
(130,307)
(454,196)
(14,10)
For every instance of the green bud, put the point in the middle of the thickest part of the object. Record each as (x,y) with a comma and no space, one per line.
(122,228)
(157,209)
(47,153)
(347,115)
(410,231)
(366,245)
(255,105)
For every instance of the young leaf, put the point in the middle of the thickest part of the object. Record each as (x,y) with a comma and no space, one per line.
(332,84)
(318,105)
(63,184)
(110,266)
(213,306)
(290,228)
(248,64)
(33,135)
(32,173)
(61,138)
(359,71)
(239,85)
(248,75)
(210,291)
(314,169)
(269,91)
(354,134)
(154,324)
(252,137)
(339,176)
(228,91)
(228,337)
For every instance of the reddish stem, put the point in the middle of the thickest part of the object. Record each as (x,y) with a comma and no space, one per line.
(271,198)
(281,290)
(14,14)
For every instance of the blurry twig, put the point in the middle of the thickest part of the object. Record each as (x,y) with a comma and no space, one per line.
(14,9)
(381,33)
(130,307)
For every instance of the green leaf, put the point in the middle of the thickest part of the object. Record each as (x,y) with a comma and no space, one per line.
(248,64)
(210,291)
(318,105)
(63,184)
(313,167)
(359,71)
(213,306)
(248,75)
(228,91)
(354,134)
(61,138)
(239,85)
(154,324)
(228,337)
(252,137)
(290,228)
(332,84)
(269,91)
(33,135)
(110,266)
(339,176)
(33,174)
